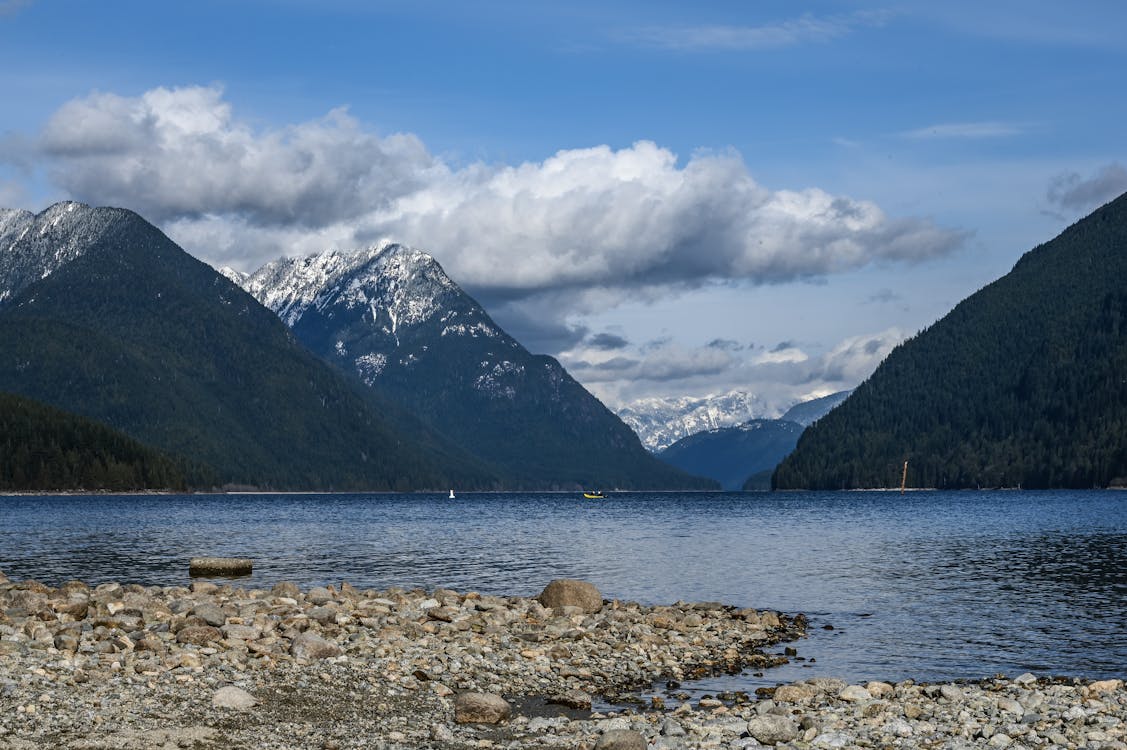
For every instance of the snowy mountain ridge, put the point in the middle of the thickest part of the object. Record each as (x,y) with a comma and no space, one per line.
(32,247)
(368,298)
(391,315)
(660,422)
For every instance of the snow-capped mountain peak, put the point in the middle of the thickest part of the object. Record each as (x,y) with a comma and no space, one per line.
(660,422)
(33,246)
(406,283)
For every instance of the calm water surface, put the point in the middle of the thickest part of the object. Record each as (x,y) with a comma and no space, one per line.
(929,585)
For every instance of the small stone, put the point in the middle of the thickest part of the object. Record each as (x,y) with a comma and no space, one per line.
(854,694)
(319,595)
(879,689)
(1012,706)
(951,693)
(577,699)
(567,592)
(481,708)
(898,727)
(233,697)
(1000,740)
(833,740)
(441,733)
(199,635)
(1105,686)
(794,693)
(210,614)
(1025,680)
(772,729)
(286,589)
(621,739)
(311,646)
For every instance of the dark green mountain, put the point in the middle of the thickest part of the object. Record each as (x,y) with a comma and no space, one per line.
(122,326)
(394,319)
(1024,383)
(732,454)
(43,448)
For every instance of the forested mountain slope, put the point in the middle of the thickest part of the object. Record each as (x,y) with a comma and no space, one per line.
(102,315)
(43,448)
(1024,383)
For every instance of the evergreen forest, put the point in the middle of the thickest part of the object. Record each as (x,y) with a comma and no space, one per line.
(43,448)
(1023,384)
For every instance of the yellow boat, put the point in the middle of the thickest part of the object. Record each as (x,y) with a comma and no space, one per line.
(594,495)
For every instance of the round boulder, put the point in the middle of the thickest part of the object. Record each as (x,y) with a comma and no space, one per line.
(567,592)
(481,708)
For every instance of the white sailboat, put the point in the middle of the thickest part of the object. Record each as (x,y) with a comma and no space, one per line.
(451,494)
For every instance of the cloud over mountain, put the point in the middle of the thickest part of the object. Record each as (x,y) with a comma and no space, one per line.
(593,217)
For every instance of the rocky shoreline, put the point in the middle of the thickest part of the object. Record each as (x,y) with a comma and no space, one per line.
(217,666)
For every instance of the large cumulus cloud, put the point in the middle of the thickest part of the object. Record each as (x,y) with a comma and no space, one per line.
(595,217)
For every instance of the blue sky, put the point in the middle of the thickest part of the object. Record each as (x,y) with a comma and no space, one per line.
(673,198)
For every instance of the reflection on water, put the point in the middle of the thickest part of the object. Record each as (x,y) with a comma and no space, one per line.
(928,585)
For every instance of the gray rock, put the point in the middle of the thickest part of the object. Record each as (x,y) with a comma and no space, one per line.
(577,699)
(567,592)
(951,692)
(481,708)
(441,733)
(311,646)
(233,697)
(670,728)
(833,739)
(771,729)
(210,614)
(286,588)
(621,739)
(199,635)
(854,694)
(319,595)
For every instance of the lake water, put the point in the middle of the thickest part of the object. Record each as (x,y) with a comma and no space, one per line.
(928,585)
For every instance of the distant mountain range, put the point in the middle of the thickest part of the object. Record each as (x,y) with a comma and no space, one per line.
(101,315)
(731,455)
(744,456)
(660,422)
(1024,383)
(391,317)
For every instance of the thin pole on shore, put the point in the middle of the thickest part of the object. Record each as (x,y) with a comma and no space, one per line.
(904,477)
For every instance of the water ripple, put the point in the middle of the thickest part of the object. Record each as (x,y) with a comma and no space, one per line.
(927,585)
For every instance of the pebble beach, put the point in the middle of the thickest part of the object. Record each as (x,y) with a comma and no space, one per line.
(214,665)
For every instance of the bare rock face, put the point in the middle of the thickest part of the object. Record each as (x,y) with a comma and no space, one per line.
(567,592)
(481,708)
(311,646)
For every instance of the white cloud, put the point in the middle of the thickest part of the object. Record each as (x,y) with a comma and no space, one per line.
(967,130)
(176,154)
(539,243)
(1074,193)
(782,376)
(786,33)
(584,218)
